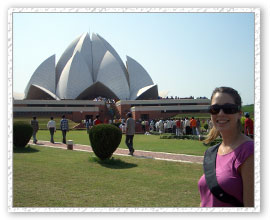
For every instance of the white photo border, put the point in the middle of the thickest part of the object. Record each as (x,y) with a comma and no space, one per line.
(256,12)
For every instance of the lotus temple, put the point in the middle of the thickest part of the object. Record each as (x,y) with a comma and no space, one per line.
(88,69)
(91,68)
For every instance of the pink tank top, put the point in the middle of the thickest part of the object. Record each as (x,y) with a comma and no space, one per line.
(229,179)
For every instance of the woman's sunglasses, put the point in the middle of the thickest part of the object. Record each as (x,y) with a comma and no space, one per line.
(227,109)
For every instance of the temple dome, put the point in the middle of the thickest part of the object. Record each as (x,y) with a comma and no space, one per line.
(90,68)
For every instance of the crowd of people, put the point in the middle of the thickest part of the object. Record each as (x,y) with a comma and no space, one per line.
(107,100)
(178,126)
(110,100)
(178,97)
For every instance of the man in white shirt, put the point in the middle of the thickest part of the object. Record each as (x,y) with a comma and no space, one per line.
(161,126)
(52,128)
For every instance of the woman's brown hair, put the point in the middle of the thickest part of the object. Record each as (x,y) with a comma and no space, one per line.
(214,133)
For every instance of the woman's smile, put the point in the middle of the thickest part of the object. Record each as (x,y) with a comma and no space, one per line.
(222,121)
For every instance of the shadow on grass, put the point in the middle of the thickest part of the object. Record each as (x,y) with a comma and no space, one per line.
(113,163)
(27,149)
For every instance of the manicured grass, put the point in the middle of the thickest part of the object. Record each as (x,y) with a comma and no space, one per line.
(248,108)
(141,142)
(47,177)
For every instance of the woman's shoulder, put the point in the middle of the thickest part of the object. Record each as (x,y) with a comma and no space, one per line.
(247,145)
(244,151)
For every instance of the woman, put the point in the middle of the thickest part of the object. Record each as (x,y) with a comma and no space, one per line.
(234,159)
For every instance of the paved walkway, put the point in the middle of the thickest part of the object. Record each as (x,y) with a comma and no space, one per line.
(124,152)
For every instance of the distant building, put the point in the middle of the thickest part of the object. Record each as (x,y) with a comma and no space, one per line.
(88,69)
(162,108)
(92,68)
(78,110)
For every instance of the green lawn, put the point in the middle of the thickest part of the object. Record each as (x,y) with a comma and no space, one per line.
(250,109)
(47,177)
(141,142)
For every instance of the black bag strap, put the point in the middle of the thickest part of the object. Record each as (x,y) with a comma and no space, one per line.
(209,165)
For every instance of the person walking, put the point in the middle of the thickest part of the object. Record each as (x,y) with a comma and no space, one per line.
(35,126)
(64,128)
(228,179)
(130,131)
(52,128)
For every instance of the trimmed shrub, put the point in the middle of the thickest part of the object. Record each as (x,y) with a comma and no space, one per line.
(22,133)
(105,139)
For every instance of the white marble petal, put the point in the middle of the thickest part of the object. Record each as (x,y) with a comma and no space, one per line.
(115,54)
(65,58)
(38,92)
(148,92)
(74,79)
(111,75)
(98,50)
(44,76)
(84,46)
(138,77)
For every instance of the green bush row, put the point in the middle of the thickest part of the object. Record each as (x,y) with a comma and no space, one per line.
(189,137)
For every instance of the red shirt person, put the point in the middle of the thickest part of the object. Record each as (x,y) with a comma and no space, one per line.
(249,126)
(97,121)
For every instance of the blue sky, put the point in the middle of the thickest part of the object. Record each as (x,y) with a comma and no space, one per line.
(186,54)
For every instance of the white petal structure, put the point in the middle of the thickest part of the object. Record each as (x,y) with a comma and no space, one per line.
(99,51)
(44,77)
(65,58)
(138,77)
(74,78)
(115,54)
(111,75)
(85,48)
(38,92)
(147,92)
(88,69)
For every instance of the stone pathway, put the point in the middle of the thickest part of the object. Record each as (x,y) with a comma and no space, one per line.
(124,152)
